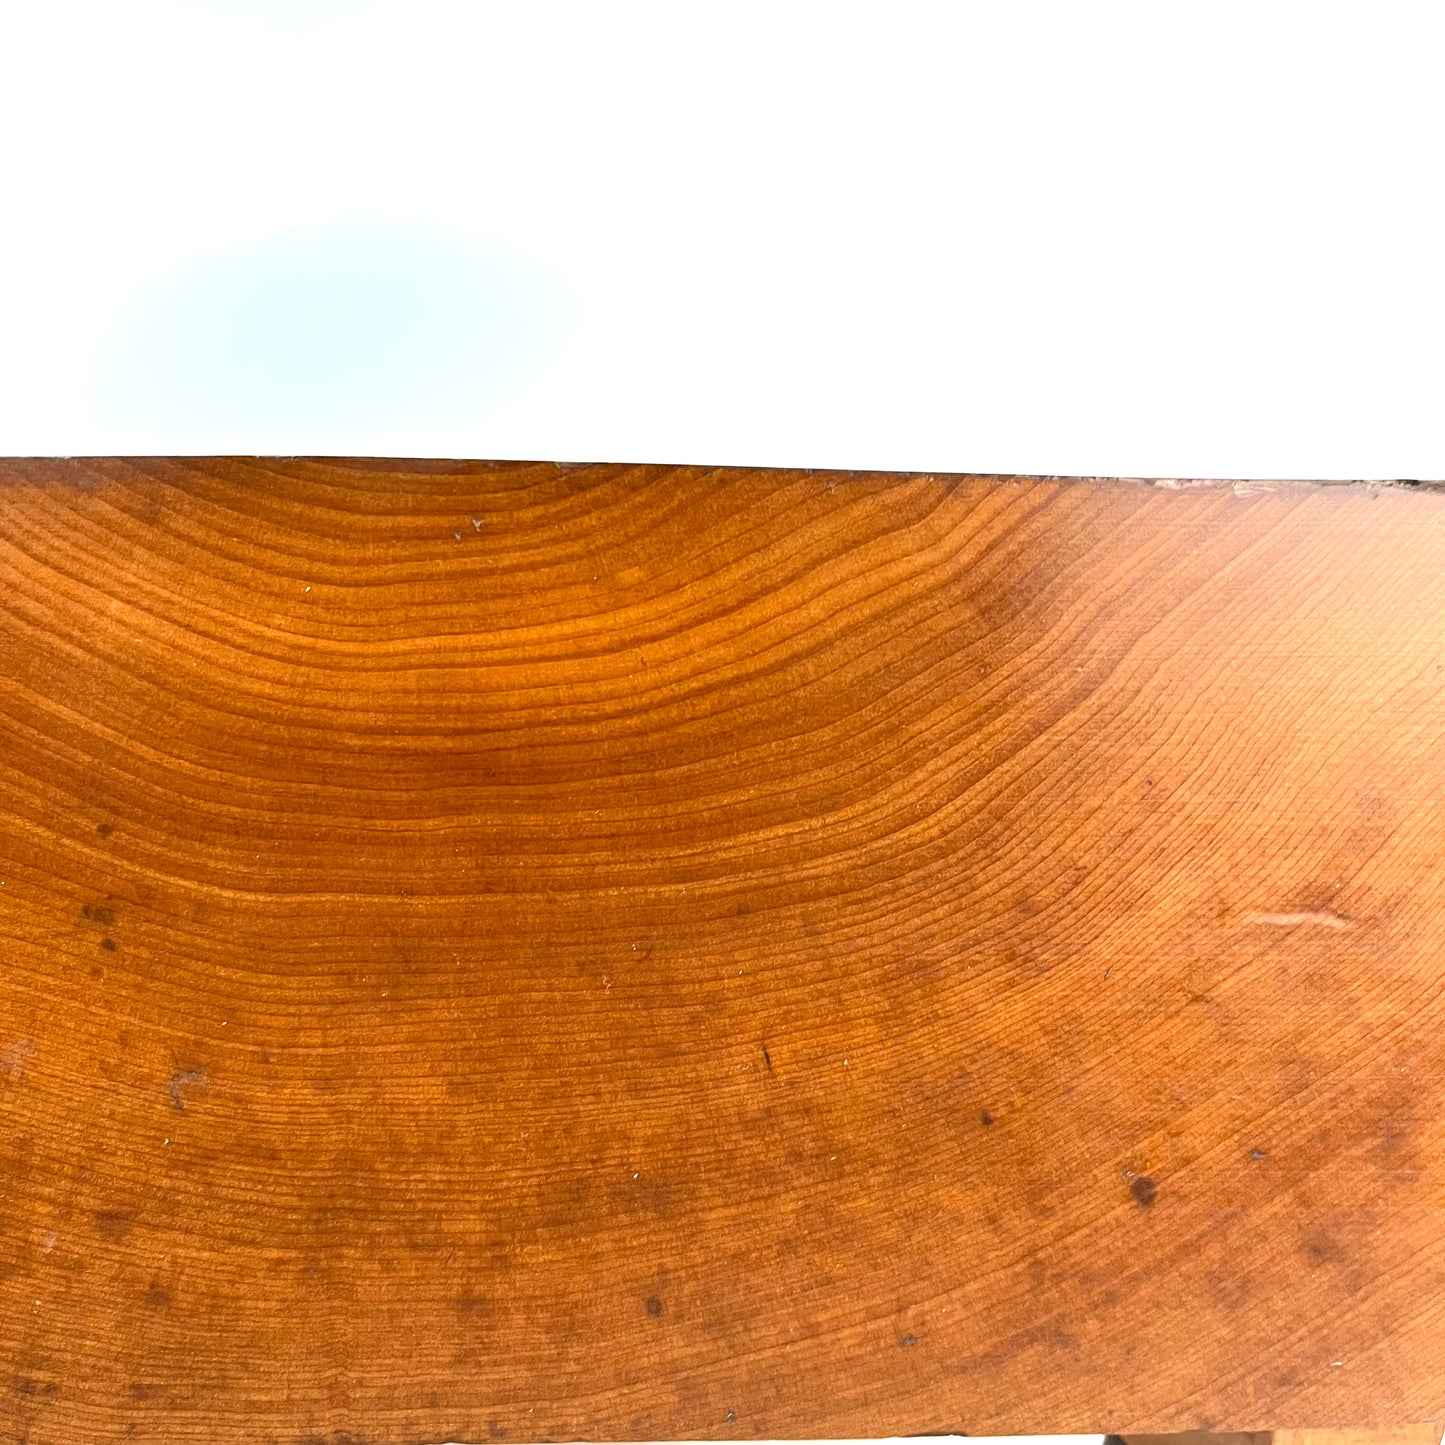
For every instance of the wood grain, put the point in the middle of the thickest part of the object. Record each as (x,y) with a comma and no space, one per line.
(1401,1435)
(512,952)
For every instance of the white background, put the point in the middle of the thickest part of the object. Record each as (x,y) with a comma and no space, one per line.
(1142,239)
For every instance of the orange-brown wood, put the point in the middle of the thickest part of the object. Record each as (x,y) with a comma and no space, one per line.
(1256,1437)
(1401,1435)
(513,952)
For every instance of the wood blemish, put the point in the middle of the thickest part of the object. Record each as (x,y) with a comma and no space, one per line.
(113,1224)
(186,1079)
(1144,1190)
(473,1306)
(1315,918)
(13,1056)
(30,1388)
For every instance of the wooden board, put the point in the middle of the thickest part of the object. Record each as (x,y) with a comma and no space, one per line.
(513,952)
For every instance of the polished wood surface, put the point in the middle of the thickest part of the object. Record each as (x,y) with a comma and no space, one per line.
(519,952)
(1399,1435)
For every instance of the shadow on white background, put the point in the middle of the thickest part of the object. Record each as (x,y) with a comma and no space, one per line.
(1115,238)
(333,330)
